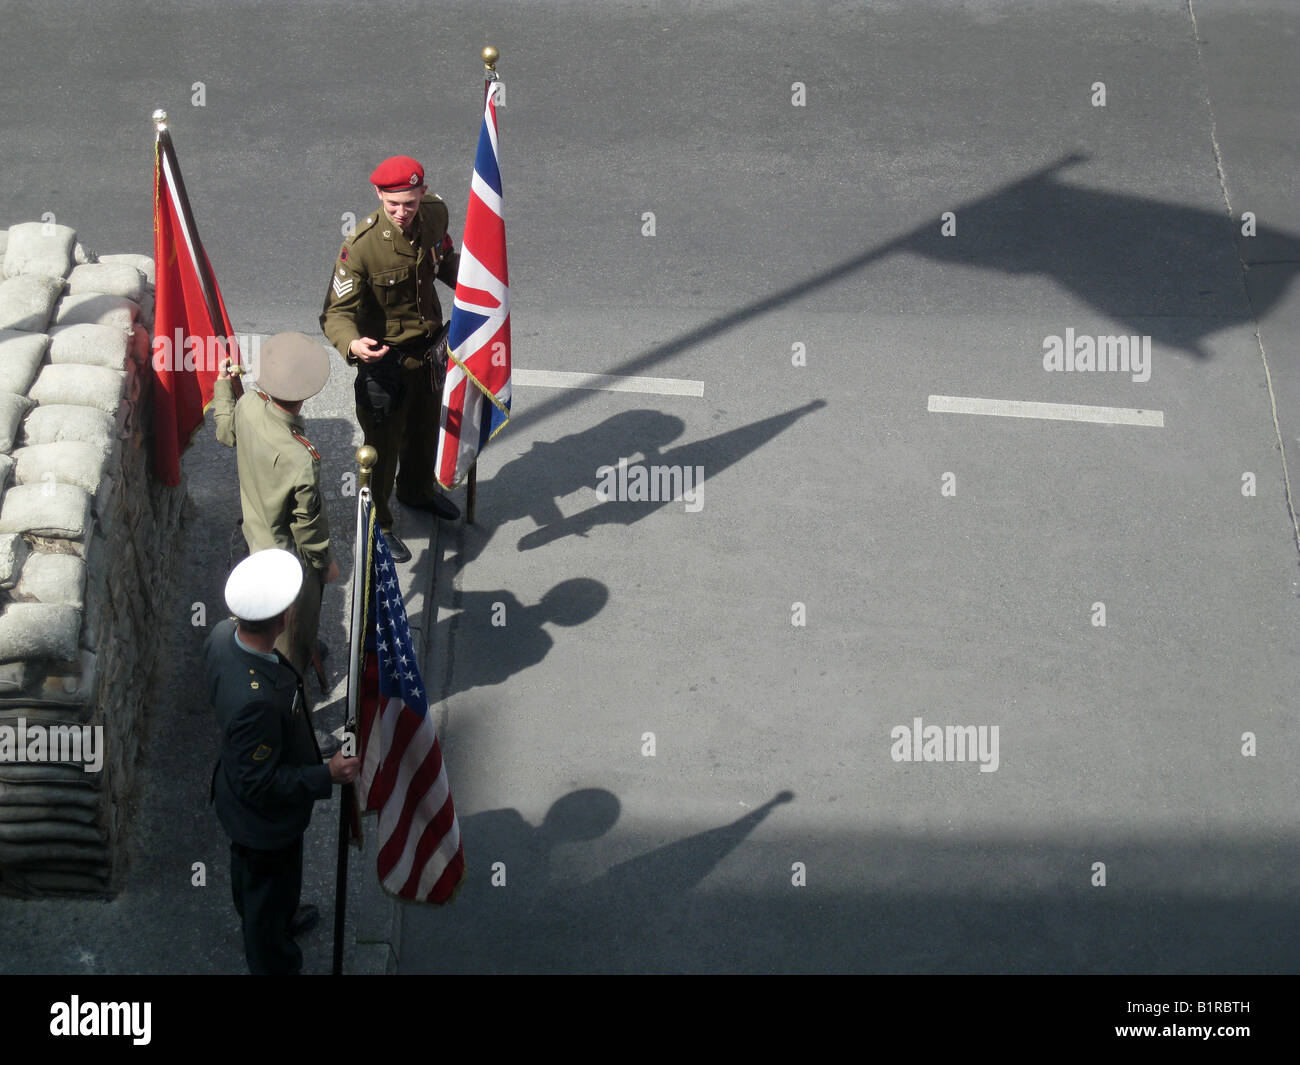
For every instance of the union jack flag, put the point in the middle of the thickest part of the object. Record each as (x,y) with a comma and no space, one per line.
(476,393)
(402,774)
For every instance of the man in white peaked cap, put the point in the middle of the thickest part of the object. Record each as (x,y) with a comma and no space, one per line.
(270,770)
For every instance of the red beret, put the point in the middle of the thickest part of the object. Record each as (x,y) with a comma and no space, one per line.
(397,172)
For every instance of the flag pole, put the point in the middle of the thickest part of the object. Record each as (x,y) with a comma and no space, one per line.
(489,55)
(367,457)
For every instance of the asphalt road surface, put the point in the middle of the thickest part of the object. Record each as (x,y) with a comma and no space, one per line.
(680,732)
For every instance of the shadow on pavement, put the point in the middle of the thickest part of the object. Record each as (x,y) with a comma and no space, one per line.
(505,637)
(1161,269)
(882,901)
(529,485)
(709,456)
(526,864)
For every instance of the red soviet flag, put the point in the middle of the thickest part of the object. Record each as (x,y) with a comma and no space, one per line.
(191,329)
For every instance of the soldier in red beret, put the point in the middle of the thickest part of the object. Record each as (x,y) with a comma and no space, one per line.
(382,313)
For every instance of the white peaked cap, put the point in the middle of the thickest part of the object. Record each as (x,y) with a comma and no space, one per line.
(264,584)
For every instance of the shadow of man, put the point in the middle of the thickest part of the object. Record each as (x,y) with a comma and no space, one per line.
(711,456)
(1165,270)
(528,486)
(1130,257)
(494,636)
(511,886)
(532,914)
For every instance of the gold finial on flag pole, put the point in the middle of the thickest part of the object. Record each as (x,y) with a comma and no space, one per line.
(160,119)
(367,458)
(490,56)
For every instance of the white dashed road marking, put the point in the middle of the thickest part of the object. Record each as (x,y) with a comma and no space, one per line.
(1060,412)
(657,386)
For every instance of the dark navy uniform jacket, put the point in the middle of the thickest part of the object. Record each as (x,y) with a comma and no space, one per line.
(270,771)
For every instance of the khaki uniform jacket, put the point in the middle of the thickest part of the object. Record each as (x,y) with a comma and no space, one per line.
(279,475)
(382,283)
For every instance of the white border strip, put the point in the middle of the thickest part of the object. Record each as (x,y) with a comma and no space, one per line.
(1060,412)
(174,196)
(658,386)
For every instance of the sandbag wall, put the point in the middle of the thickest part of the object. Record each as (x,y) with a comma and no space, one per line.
(86,534)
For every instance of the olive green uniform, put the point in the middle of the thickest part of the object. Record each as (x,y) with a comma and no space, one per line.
(382,287)
(279,489)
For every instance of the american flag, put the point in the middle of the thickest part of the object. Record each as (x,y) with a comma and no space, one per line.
(402,774)
(476,393)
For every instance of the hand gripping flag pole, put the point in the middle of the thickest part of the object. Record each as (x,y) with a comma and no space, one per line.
(349,809)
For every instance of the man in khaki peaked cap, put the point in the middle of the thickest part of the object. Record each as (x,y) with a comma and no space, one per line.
(270,771)
(279,472)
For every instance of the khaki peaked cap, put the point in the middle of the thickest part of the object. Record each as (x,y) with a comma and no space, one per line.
(292,367)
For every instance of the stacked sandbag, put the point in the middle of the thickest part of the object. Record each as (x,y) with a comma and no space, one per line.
(85,532)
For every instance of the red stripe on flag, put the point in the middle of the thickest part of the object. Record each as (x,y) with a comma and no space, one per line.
(451,876)
(386,778)
(449,438)
(483,363)
(485,235)
(476,297)
(429,841)
(421,781)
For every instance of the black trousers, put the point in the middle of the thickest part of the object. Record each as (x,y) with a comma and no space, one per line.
(266,886)
(404,429)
